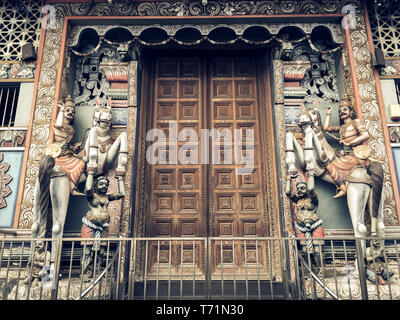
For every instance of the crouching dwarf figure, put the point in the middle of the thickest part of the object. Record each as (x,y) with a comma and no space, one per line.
(96,222)
(307,222)
(39,264)
(376,263)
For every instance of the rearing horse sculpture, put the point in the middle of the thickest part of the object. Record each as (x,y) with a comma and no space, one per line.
(363,183)
(61,169)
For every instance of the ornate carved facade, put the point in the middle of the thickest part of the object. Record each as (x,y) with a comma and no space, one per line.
(98,50)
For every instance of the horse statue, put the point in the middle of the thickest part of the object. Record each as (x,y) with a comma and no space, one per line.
(362,181)
(64,166)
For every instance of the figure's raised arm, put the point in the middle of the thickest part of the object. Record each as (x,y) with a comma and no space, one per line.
(89,185)
(58,123)
(121,190)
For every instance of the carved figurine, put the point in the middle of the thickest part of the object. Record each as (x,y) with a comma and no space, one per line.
(100,149)
(352,133)
(307,222)
(41,259)
(376,263)
(60,170)
(285,50)
(364,178)
(62,150)
(27,72)
(96,222)
(4,70)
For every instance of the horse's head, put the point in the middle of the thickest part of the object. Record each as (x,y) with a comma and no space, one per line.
(102,114)
(310,116)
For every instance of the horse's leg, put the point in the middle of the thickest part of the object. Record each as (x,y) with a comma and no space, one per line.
(60,193)
(377,224)
(92,152)
(320,150)
(120,148)
(37,228)
(309,150)
(293,151)
(380,226)
(357,197)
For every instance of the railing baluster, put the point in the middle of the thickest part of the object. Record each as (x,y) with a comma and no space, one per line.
(70,268)
(45,264)
(222,268)
(234,269)
(32,257)
(8,267)
(169,268)
(107,273)
(297,269)
(158,267)
(258,273)
(194,270)
(19,269)
(361,269)
(246,271)
(94,269)
(397,256)
(322,262)
(181,283)
(271,285)
(345,259)
(118,269)
(131,284)
(83,258)
(387,269)
(145,269)
(334,268)
(208,267)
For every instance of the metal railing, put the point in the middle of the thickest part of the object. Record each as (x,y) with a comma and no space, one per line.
(199,268)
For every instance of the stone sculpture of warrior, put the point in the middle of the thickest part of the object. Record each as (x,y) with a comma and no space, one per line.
(307,222)
(96,222)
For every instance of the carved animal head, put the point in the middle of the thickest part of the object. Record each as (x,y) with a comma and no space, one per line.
(102,113)
(310,116)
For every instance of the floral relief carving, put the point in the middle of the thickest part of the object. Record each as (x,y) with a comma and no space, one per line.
(5,179)
(371,114)
(42,118)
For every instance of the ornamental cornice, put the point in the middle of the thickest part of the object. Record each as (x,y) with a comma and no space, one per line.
(205,8)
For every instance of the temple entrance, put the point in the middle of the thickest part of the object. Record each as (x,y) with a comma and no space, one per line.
(202,121)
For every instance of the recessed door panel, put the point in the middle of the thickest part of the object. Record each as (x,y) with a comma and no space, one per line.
(210,187)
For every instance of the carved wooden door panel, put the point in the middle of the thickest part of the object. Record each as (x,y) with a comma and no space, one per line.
(177,200)
(235,188)
(200,189)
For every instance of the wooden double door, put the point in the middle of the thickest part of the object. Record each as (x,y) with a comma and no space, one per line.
(203,157)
